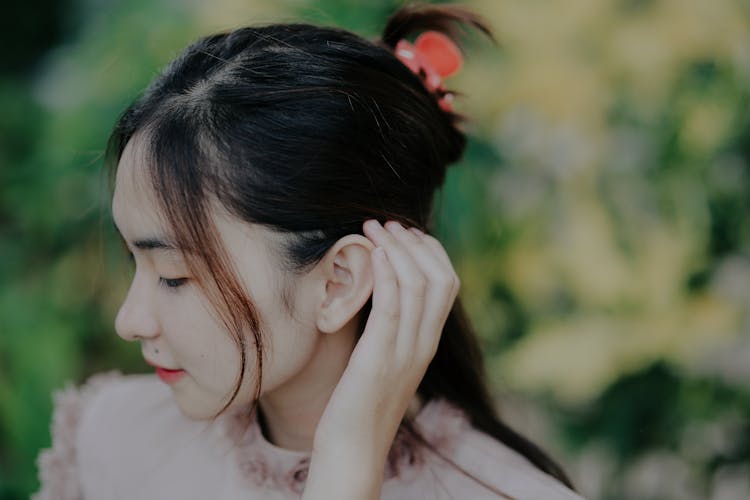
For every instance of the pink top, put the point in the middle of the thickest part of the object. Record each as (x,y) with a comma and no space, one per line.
(122,437)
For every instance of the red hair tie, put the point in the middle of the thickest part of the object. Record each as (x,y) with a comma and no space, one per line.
(433,56)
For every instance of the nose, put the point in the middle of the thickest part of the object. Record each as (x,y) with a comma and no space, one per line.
(136,319)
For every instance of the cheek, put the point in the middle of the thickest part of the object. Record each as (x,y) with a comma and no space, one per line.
(292,342)
(201,344)
(288,352)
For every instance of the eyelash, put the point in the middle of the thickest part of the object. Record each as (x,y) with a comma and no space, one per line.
(171,283)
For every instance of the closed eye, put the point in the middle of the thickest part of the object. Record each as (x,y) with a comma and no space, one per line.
(172,282)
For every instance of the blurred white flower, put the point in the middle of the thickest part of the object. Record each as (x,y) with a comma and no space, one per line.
(531,141)
(630,149)
(731,280)
(514,194)
(62,82)
(728,174)
(729,361)
(661,474)
(592,470)
(702,441)
(731,483)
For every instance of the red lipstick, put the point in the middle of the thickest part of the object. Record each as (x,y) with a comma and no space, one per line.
(167,375)
(170,376)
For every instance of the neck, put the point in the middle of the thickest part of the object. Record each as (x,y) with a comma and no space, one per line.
(291,411)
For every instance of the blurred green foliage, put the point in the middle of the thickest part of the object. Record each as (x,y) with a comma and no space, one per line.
(599,220)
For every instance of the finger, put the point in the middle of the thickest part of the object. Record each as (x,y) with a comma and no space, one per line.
(386,309)
(434,245)
(439,250)
(433,267)
(441,285)
(411,283)
(422,253)
(412,286)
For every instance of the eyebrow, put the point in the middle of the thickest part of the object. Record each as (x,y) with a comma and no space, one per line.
(149,243)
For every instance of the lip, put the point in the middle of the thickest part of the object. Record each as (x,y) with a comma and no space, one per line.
(168,375)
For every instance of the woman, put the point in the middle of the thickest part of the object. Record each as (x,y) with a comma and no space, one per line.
(301,347)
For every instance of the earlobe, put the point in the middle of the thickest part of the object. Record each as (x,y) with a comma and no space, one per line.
(346,282)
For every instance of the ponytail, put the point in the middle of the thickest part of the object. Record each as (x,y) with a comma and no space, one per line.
(456,372)
(447,19)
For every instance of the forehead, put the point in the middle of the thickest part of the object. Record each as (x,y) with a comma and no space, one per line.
(134,198)
(137,213)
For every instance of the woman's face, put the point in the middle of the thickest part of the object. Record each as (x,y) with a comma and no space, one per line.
(170,316)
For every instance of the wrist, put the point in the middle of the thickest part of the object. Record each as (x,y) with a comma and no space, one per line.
(342,472)
(357,457)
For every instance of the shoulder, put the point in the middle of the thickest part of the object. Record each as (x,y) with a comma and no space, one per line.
(483,457)
(115,428)
(59,472)
(117,414)
(121,400)
(506,469)
(109,411)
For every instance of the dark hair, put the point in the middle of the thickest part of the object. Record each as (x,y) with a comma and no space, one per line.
(308,131)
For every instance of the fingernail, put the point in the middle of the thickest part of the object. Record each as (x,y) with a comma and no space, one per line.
(416,231)
(393,225)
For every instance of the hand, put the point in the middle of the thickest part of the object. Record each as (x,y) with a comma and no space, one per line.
(413,291)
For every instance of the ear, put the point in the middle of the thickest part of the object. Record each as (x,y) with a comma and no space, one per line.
(346,282)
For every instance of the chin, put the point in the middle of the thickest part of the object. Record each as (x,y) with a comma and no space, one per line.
(193,413)
(197,407)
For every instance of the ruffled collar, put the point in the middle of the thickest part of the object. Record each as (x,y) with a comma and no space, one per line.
(268,466)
